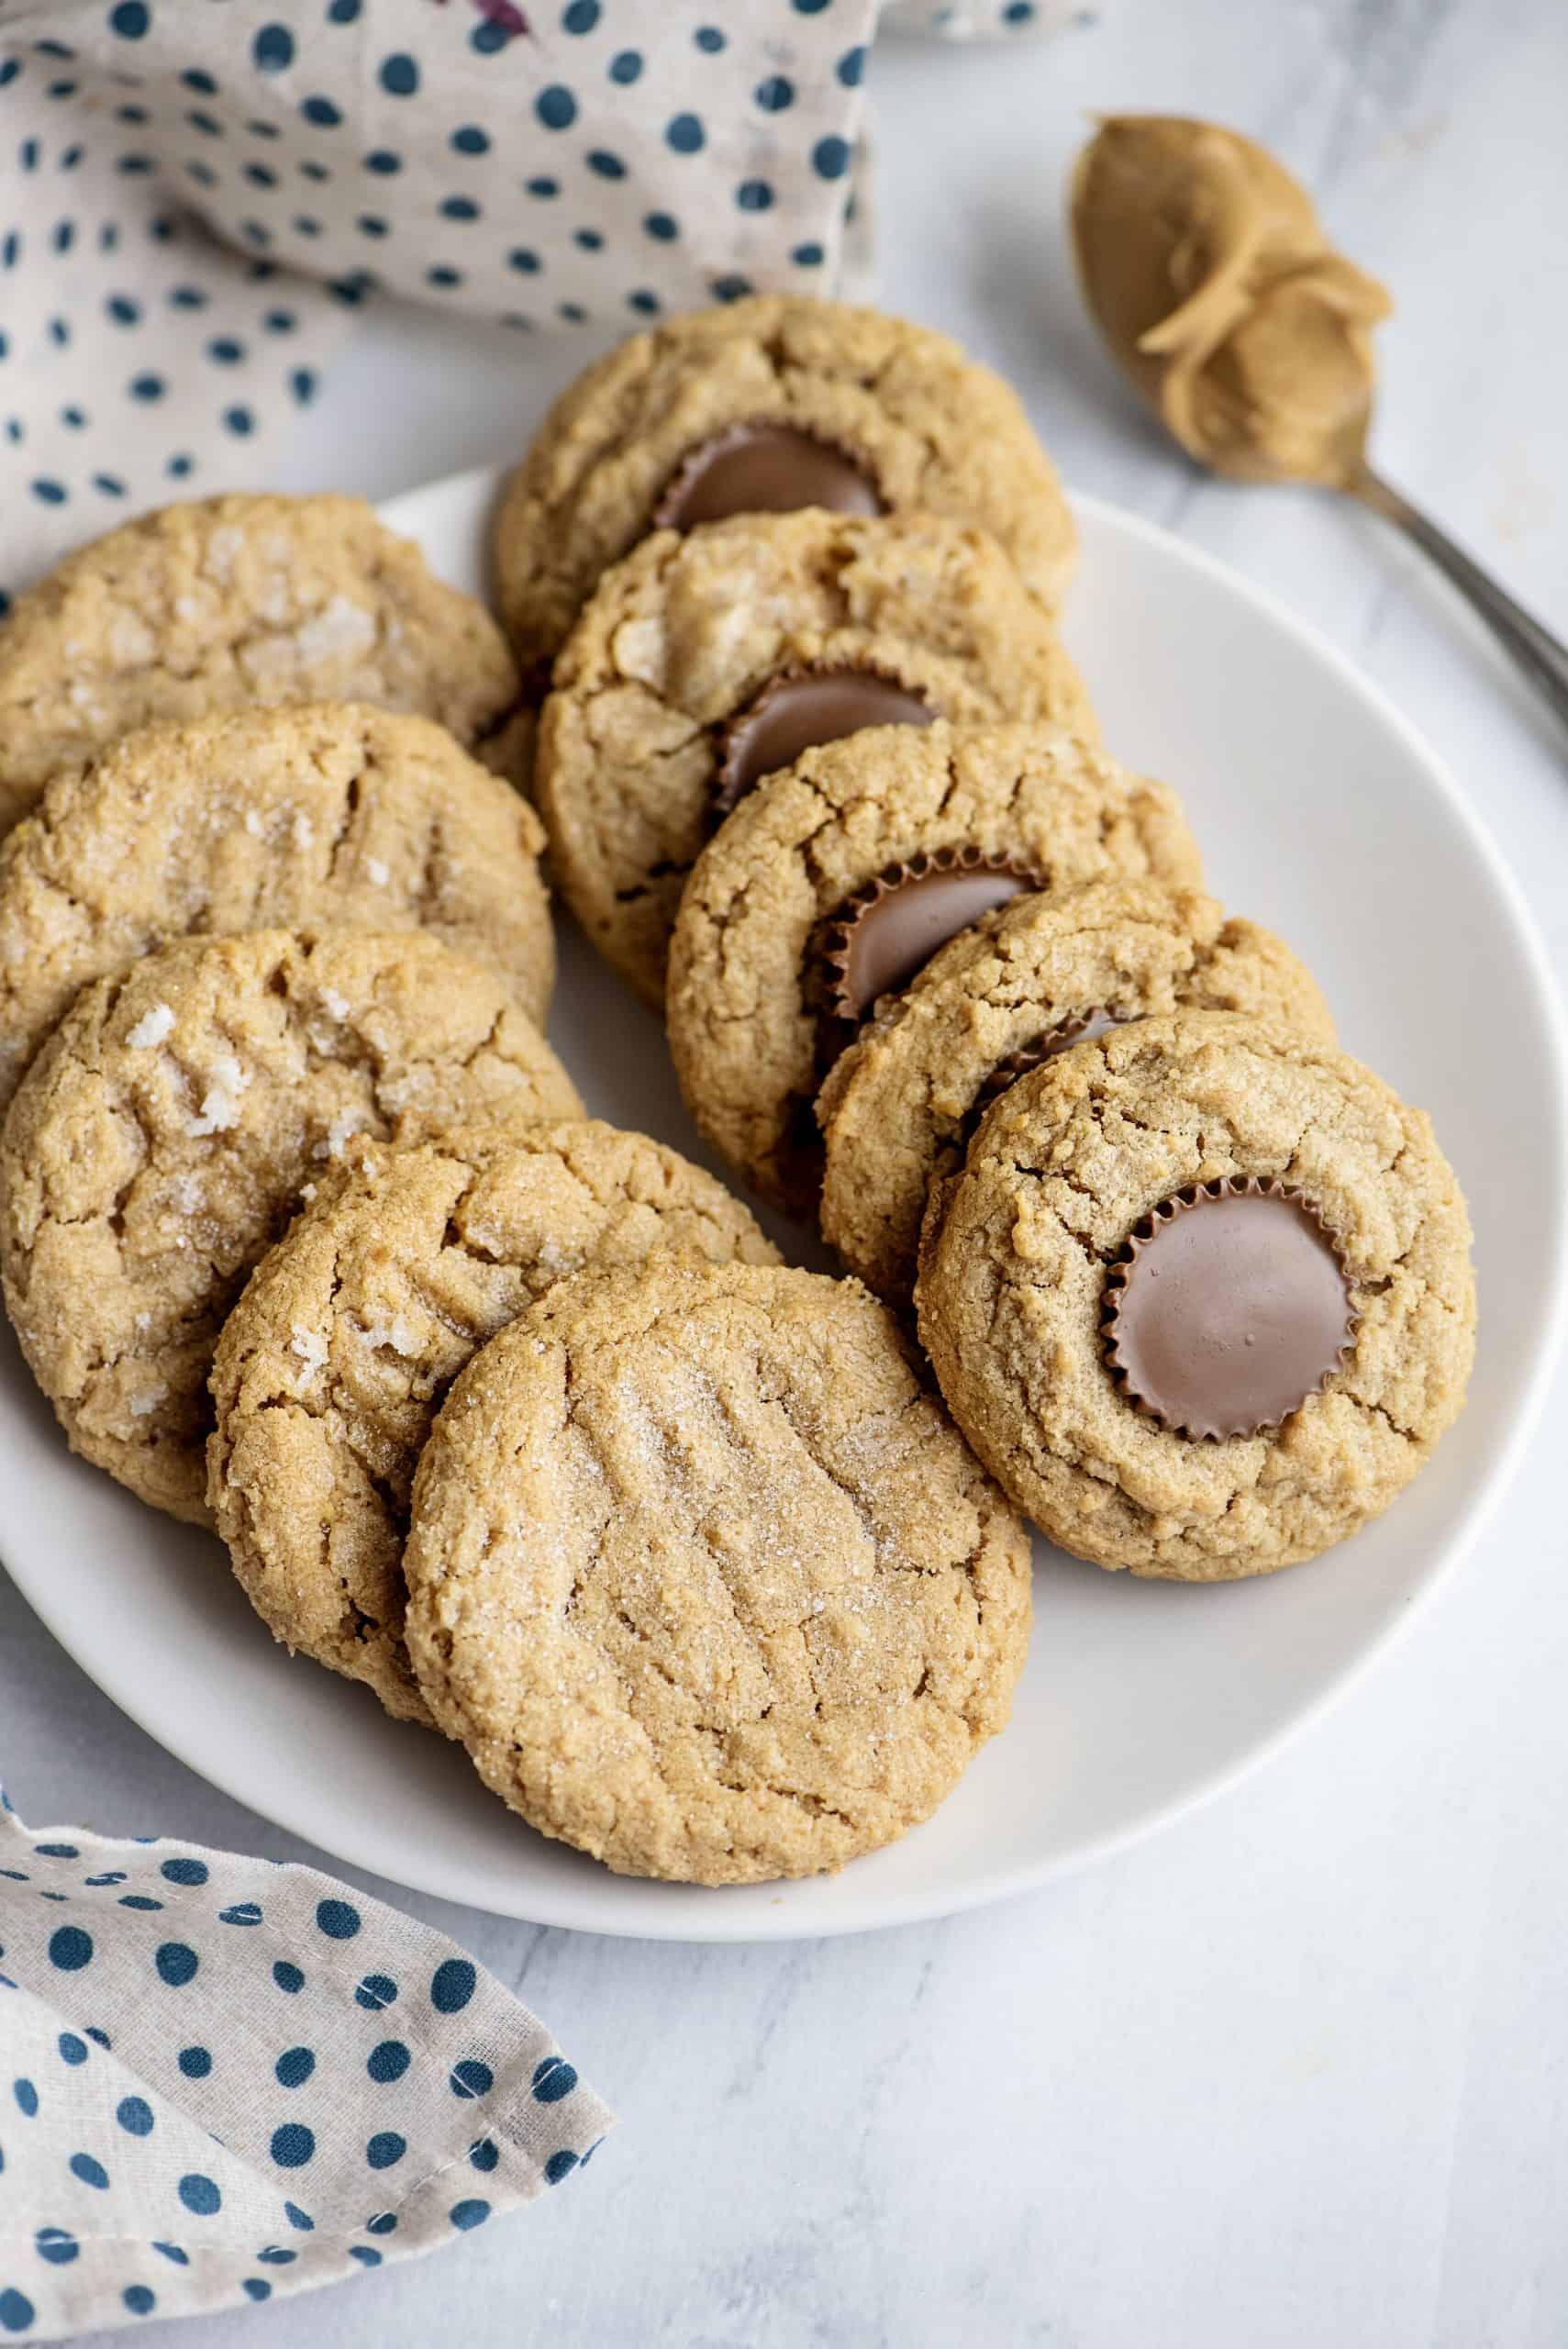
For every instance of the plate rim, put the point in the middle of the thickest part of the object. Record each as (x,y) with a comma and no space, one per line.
(916,1907)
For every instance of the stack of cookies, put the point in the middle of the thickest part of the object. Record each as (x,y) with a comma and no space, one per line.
(519,1419)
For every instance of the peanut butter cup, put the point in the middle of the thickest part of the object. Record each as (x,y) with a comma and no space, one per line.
(800,708)
(890,930)
(762,468)
(1229,1306)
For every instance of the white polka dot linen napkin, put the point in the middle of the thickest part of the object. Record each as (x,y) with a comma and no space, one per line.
(223,2079)
(196,195)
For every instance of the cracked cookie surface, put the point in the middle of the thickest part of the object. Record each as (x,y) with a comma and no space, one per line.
(679,641)
(745,1031)
(333,815)
(704,1578)
(900,1101)
(169,1127)
(937,433)
(405,1263)
(1013,1262)
(226,602)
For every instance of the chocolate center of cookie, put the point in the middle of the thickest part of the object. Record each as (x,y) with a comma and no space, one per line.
(764,469)
(803,708)
(891,933)
(1229,1307)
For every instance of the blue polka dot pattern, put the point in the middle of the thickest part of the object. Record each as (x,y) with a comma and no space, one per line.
(388,2061)
(176,1962)
(288,1977)
(338,1920)
(469,2214)
(385,2148)
(295,2067)
(685,134)
(140,2299)
(199,2194)
(554,2079)
(16,2311)
(471,2078)
(70,1949)
(376,1992)
(452,1985)
(184,1871)
(272,48)
(556,108)
(292,2144)
(90,2170)
(57,2244)
(72,2051)
(560,2165)
(135,2116)
(195,2062)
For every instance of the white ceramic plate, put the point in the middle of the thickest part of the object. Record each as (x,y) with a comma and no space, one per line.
(1322,813)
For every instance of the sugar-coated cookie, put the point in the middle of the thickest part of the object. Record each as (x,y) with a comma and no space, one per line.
(226,601)
(171,1123)
(332,816)
(706,1580)
(404,1264)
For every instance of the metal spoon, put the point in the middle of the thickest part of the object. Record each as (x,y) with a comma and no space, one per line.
(1538,655)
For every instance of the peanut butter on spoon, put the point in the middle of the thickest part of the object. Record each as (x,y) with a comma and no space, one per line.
(1207,272)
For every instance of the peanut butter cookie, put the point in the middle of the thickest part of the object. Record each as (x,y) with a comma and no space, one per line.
(228,601)
(333,815)
(1019,986)
(1201,1297)
(706,1580)
(836,881)
(702,663)
(403,1266)
(171,1123)
(766,406)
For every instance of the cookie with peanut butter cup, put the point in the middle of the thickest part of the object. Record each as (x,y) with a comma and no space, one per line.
(835,882)
(1025,982)
(703,663)
(768,406)
(1201,1297)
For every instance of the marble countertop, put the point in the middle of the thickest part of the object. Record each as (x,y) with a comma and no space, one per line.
(1295,2072)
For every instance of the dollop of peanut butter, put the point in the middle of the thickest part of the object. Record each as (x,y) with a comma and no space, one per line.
(1209,273)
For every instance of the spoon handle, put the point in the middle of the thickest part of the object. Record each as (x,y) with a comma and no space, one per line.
(1535,652)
